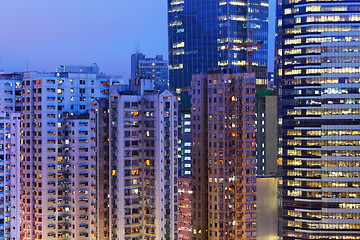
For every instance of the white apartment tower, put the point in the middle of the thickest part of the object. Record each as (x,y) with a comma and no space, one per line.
(143,164)
(58,177)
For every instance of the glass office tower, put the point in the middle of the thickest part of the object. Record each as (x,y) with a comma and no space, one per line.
(199,31)
(318,63)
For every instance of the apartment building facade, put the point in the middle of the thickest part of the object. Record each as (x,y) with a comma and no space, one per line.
(58,179)
(143,164)
(224,156)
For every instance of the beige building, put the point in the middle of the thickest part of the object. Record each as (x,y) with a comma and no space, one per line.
(267,208)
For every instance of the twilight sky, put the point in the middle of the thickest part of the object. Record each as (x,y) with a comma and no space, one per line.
(47,33)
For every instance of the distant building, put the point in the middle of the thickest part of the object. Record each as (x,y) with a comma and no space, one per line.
(224,156)
(143,166)
(271,78)
(10,174)
(78,69)
(155,69)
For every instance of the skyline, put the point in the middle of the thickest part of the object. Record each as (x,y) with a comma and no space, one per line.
(103,29)
(204,146)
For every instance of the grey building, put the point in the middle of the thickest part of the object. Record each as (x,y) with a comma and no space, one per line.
(155,69)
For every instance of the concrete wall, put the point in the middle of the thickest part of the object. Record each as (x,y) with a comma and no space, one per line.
(267,208)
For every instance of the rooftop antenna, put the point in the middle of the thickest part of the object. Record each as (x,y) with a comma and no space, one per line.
(137,48)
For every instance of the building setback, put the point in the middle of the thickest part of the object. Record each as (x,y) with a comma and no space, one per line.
(224,156)
(155,69)
(143,165)
(318,78)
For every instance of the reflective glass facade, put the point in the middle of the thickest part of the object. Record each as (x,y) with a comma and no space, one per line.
(318,71)
(199,31)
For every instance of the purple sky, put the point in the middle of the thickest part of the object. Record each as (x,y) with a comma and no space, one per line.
(47,33)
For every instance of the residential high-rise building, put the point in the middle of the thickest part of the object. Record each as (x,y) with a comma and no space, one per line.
(224,156)
(318,74)
(200,30)
(10,176)
(59,174)
(143,166)
(155,69)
